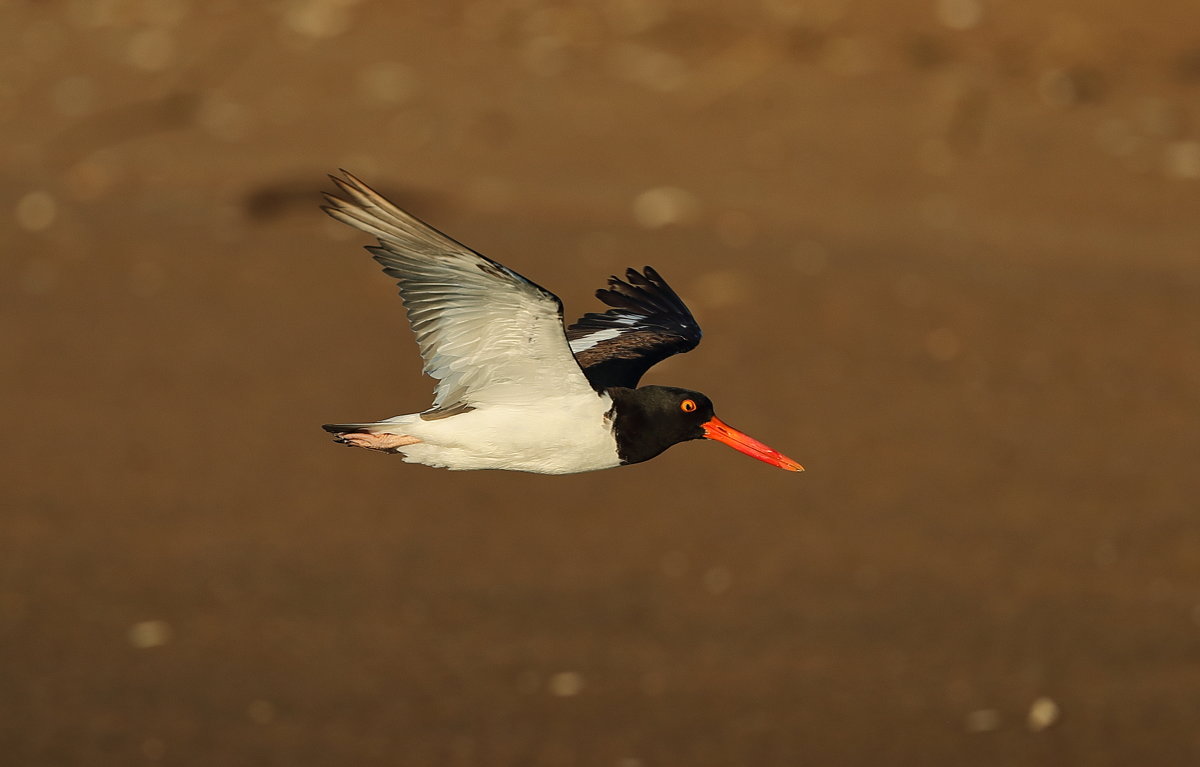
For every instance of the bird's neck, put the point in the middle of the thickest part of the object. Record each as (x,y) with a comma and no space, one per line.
(638,434)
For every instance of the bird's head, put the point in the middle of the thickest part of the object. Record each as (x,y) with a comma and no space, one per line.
(651,419)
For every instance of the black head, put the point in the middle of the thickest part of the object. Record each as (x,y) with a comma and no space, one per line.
(650,419)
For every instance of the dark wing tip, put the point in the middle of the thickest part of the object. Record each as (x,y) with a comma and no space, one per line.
(635,278)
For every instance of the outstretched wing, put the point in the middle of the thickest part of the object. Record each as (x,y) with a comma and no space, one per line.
(647,324)
(487,334)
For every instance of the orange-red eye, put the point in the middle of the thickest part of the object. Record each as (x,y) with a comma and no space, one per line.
(688,406)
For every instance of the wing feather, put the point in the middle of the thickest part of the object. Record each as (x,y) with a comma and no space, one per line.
(487,334)
(647,324)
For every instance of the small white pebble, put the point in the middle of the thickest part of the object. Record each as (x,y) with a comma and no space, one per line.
(317,18)
(1042,714)
(1182,159)
(960,14)
(146,634)
(565,684)
(664,205)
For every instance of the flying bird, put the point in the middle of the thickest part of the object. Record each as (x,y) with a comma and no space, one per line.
(514,389)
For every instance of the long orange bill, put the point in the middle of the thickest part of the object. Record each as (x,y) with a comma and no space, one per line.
(723,432)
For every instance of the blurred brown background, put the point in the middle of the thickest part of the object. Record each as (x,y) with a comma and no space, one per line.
(946,255)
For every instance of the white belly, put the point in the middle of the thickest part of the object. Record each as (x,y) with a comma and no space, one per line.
(559,436)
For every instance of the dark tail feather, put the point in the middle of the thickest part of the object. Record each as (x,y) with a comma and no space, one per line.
(345,428)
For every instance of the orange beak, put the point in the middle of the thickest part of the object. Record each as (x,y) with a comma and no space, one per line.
(723,432)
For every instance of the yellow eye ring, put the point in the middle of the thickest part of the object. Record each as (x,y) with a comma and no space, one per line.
(688,406)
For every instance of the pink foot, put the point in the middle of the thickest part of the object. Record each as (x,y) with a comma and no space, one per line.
(378,441)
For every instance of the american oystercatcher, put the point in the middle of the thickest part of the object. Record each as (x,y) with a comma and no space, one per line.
(514,391)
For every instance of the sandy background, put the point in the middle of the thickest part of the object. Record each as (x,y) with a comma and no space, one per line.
(946,254)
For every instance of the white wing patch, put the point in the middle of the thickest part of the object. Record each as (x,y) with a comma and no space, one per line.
(587,342)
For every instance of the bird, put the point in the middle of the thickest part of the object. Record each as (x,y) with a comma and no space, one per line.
(515,389)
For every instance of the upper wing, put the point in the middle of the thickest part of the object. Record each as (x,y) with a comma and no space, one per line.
(647,324)
(487,334)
